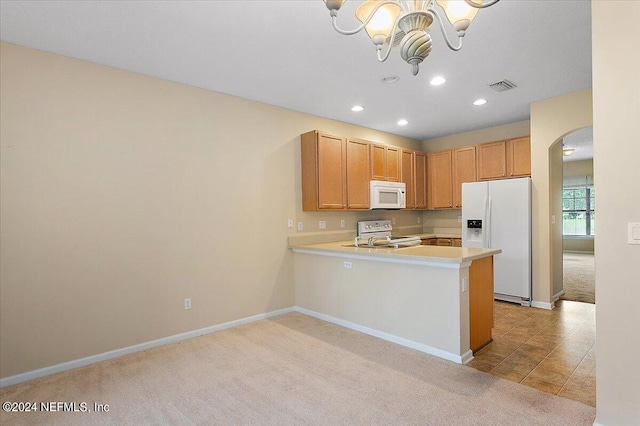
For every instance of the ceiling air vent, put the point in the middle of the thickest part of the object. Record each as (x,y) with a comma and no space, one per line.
(502,86)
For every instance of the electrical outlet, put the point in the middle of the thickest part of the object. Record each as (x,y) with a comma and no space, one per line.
(419,219)
(347,265)
(393,220)
(465,285)
(322,224)
(342,224)
(300,226)
(289,223)
(459,219)
(187,303)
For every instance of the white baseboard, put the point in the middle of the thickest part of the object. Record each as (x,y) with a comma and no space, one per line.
(542,305)
(46,371)
(460,359)
(557,296)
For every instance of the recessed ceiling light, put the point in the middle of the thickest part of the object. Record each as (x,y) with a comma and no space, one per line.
(357,108)
(437,81)
(391,79)
(402,122)
(479,102)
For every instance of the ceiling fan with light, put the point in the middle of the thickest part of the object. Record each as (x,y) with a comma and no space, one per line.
(387,20)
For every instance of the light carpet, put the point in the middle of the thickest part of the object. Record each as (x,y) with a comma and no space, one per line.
(579,277)
(290,370)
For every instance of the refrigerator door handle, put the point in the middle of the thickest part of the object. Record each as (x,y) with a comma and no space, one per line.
(487,219)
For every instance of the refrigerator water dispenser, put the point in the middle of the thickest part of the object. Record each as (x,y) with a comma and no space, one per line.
(474,230)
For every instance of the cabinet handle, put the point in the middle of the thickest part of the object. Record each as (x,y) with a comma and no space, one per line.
(503,175)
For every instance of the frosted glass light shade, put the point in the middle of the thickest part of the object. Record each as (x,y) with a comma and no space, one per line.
(458,12)
(382,22)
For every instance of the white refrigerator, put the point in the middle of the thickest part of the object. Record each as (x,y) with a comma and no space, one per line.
(497,214)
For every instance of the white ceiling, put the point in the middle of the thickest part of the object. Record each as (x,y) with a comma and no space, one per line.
(582,142)
(286,53)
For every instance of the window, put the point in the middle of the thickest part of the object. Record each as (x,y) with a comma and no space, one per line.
(578,207)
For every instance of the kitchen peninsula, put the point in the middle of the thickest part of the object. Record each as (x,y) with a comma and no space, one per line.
(438,300)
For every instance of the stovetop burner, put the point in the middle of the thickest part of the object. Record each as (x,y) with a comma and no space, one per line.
(378,232)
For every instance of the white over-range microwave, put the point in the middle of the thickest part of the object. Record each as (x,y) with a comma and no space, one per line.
(387,195)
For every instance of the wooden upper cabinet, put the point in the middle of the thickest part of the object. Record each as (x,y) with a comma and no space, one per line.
(464,170)
(407,173)
(519,157)
(393,163)
(378,162)
(420,180)
(492,160)
(324,174)
(358,160)
(440,180)
(385,163)
(504,159)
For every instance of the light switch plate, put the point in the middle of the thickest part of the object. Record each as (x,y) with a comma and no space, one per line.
(634,233)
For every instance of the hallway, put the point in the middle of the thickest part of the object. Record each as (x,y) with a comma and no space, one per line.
(579,277)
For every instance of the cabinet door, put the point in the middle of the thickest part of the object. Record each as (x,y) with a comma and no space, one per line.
(464,170)
(519,157)
(378,162)
(407,176)
(420,181)
(385,163)
(447,242)
(456,242)
(440,180)
(393,164)
(480,302)
(331,172)
(357,174)
(323,171)
(492,160)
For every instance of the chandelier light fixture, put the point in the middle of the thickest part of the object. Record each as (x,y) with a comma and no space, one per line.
(387,20)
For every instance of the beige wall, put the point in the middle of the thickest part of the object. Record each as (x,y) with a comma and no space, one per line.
(616,130)
(420,303)
(555,193)
(124,194)
(551,119)
(490,134)
(578,244)
(578,168)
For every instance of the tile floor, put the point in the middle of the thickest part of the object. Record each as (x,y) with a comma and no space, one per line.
(553,351)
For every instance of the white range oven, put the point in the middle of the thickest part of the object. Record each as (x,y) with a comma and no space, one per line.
(377,233)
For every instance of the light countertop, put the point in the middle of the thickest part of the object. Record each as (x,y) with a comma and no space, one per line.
(417,254)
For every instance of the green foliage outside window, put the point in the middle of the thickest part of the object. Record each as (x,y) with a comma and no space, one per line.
(578,210)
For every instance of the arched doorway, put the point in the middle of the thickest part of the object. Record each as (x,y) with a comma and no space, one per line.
(578,217)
